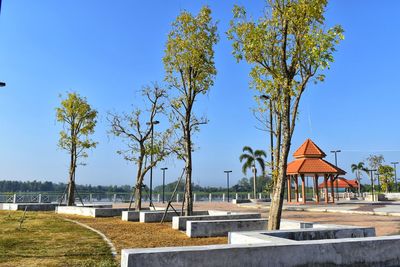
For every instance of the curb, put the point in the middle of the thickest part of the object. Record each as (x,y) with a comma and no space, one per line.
(108,241)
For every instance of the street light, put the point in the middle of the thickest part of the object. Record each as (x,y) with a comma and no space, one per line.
(227,181)
(265,98)
(2,84)
(372,182)
(395,174)
(163,182)
(337,182)
(151,123)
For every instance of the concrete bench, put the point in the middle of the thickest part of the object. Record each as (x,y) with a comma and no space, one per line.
(89,211)
(223,227)
(132,215)
(364,251)
(29,206)
(156,216)
(179,222)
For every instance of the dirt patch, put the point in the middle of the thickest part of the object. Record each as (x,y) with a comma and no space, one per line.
(143,235)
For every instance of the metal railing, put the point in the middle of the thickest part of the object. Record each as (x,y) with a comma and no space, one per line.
(24,197)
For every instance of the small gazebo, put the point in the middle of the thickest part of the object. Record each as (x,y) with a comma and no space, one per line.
(343,183)
(309,162)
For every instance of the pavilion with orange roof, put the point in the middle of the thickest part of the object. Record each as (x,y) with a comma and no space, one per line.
(309,162)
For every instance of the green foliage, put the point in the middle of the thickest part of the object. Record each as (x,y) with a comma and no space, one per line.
(190,69)
(79,121)
(358,168)
(386,177)
(251,158)
(189,54)
(246,184)
(286,47)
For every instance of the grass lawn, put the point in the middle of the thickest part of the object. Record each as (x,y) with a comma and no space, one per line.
(45,239)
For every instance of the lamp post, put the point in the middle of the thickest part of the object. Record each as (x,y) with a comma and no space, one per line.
(337,182)
(395,175)
(377,178)
(265,98)
(2,84)
(227,181)
(151,123)
(163,182)
(372,182)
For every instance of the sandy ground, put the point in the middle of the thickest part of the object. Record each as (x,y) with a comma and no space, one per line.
(384,225)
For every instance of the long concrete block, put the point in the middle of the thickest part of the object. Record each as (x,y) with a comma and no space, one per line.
(89,211)
(370,251)
(294,235)
(29,206)
(156,216)
(223,227)
(179,222)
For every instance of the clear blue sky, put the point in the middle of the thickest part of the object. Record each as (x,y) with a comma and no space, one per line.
(106,50)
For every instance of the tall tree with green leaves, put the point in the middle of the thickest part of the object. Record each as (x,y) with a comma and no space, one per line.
(374,162)
(136,130)
(79,120)
(190,72)
(386,177)
(250,158)
(287,48)
(358,168)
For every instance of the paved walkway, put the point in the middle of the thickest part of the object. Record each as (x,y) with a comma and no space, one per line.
(349,207)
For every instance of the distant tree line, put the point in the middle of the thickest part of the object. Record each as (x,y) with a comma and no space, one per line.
(243,185)
(38,186)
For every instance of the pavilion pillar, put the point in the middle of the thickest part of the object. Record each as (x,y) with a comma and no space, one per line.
(326,189)
(332,189)
(303,189)
(316,188)
(289,188)
(296,188)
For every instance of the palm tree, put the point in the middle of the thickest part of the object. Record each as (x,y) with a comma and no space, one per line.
(250,159)
(357,168)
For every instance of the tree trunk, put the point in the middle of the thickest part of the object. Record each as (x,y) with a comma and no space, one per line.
(138,197)
(139,179)
(71,193)
(188,165)
(255,182)
(71,184)
(277,200)
(188,170)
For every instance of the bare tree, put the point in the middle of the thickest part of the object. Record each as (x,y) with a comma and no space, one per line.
(136,130)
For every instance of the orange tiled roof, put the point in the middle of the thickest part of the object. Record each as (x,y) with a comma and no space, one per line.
(309,149)
(308,160)
(312,165)
(343,183)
